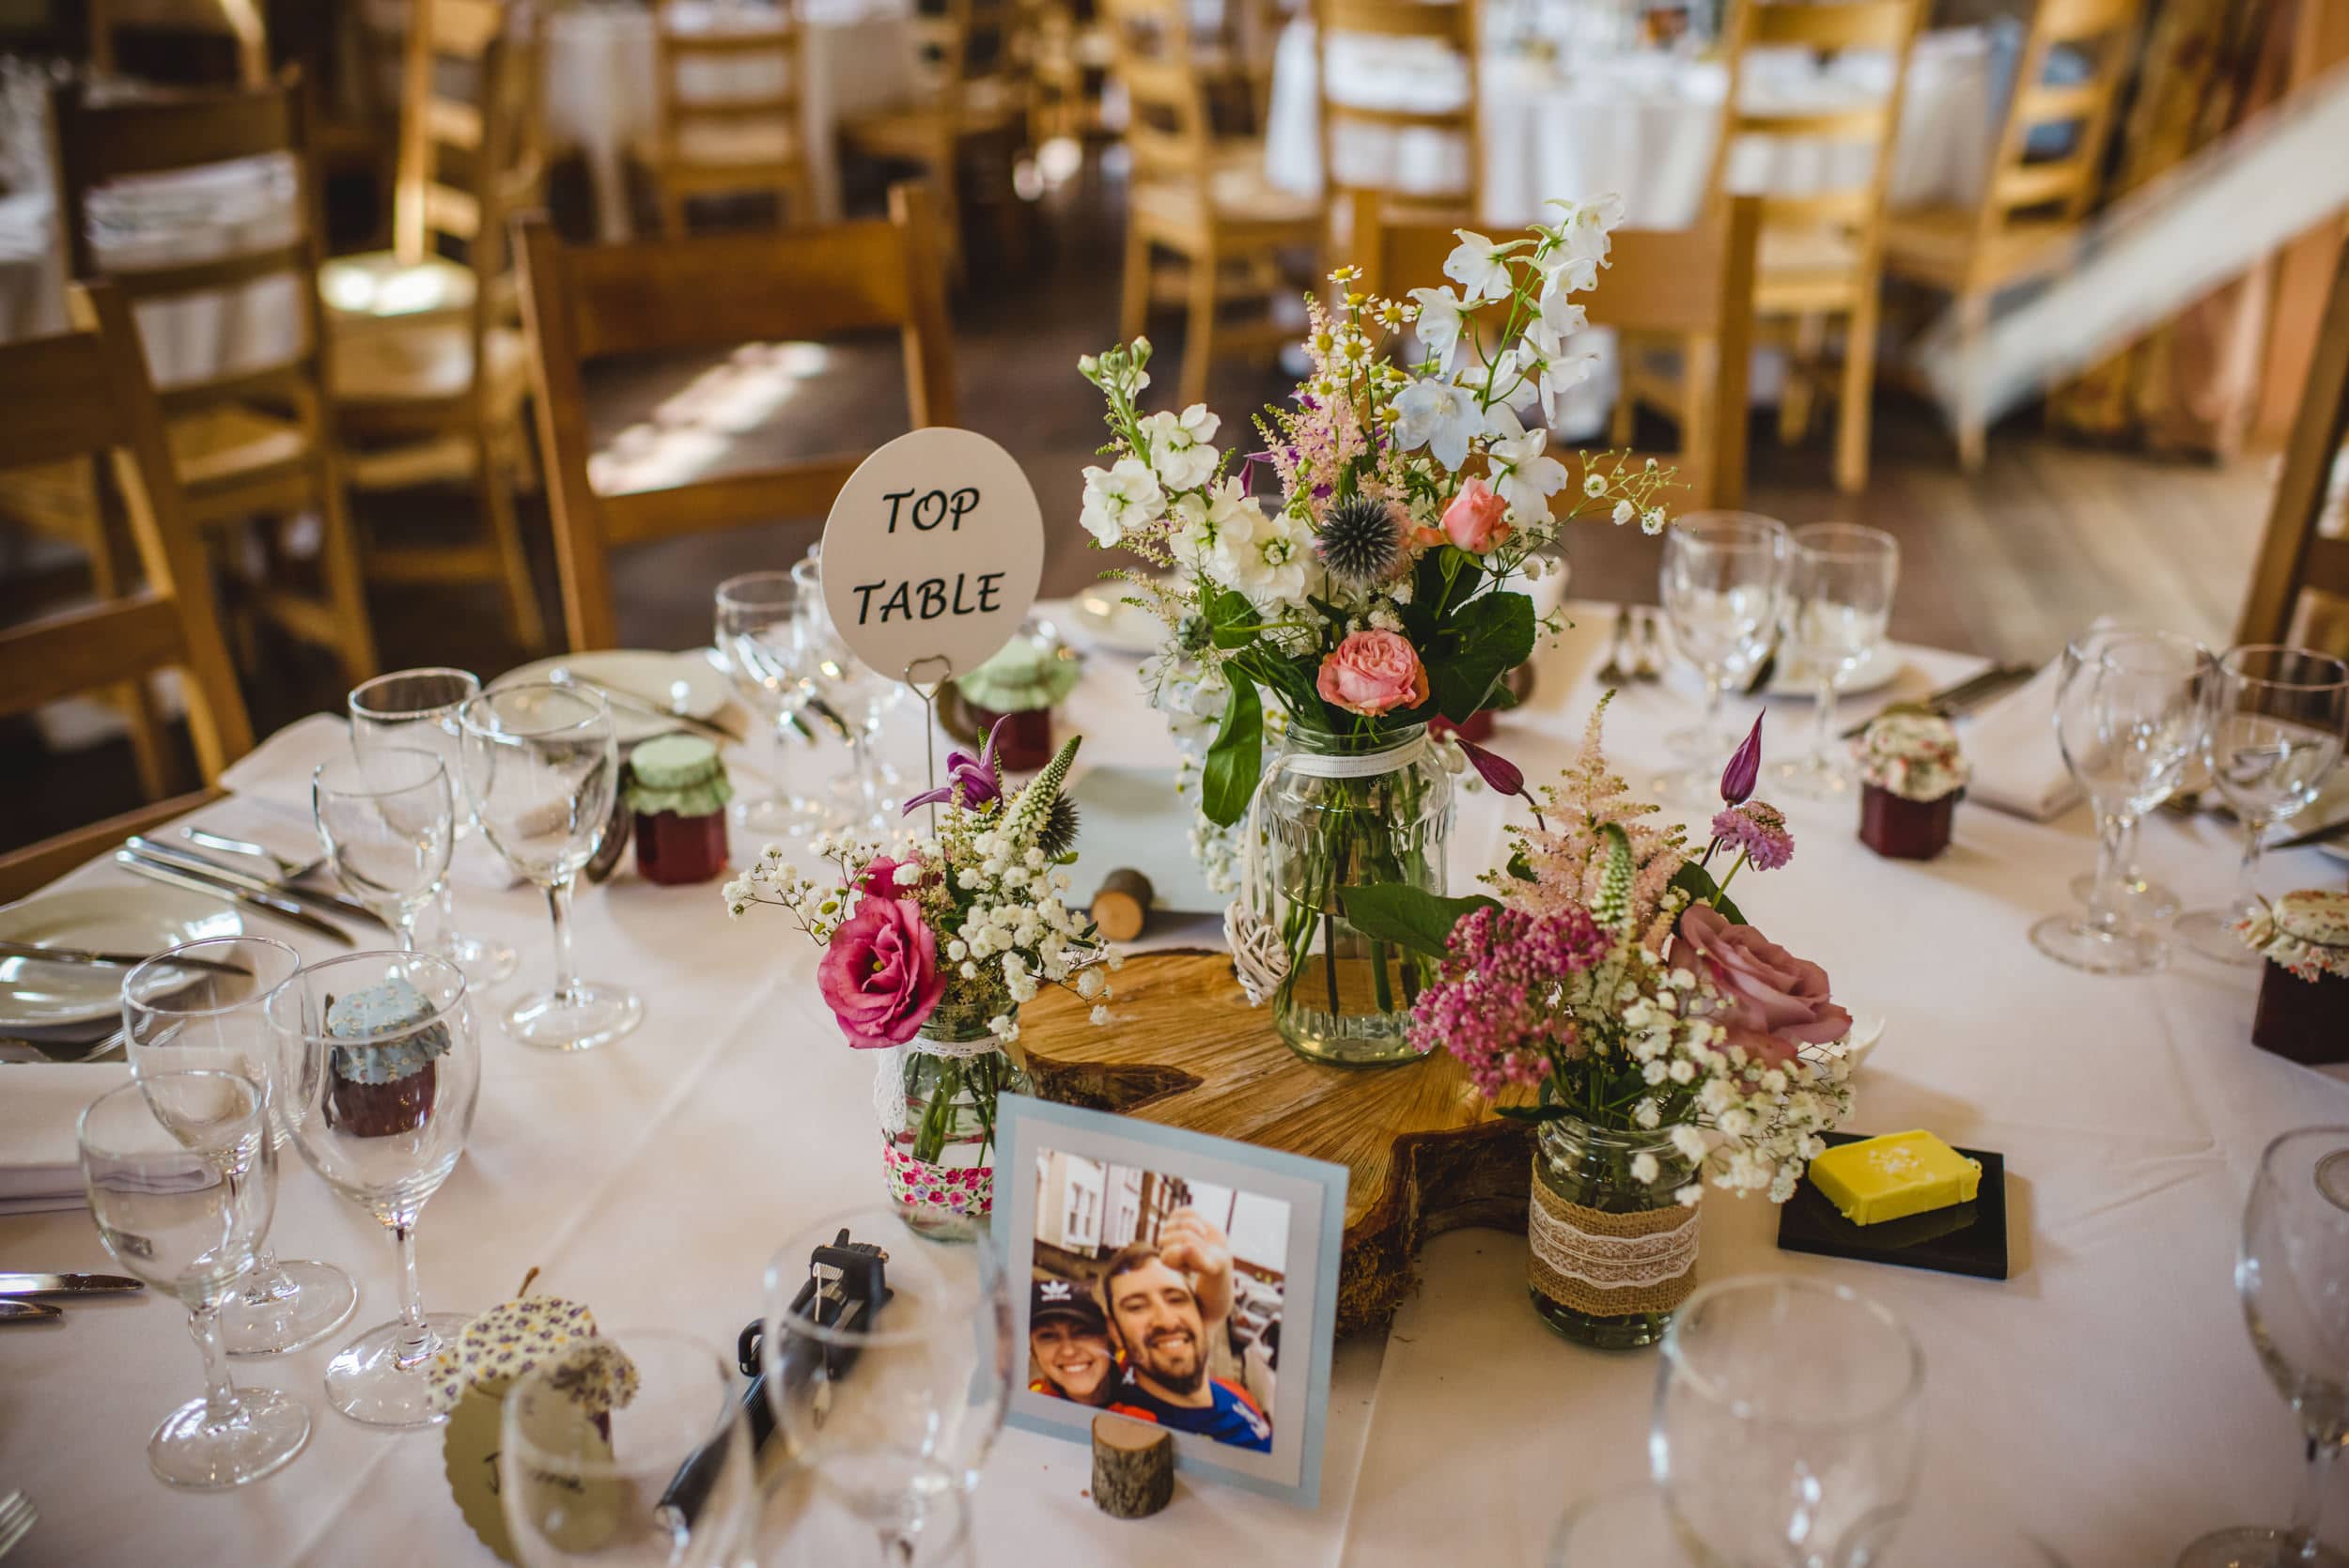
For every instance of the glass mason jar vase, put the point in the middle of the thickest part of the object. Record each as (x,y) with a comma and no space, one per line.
(936,1099)
(1612,1256)
(1341,812)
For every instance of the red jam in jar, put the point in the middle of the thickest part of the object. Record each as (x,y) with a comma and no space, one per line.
(677,790)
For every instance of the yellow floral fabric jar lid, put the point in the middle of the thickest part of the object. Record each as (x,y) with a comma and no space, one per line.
(2306,933)
(517,1337)
(1911,752)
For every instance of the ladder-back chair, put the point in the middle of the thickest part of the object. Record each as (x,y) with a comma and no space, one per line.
(708,144)
(2300,580)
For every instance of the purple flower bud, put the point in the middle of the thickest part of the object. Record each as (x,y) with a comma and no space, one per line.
(1504,776)
(979,778)
(1744,765)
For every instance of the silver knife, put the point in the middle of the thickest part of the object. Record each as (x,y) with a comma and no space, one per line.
(195,860)
(191,881)
(2325,834)
(65,1284)
(109,960)
(28,1311)
(1962,697)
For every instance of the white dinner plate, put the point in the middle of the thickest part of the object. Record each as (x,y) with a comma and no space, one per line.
(1790,679)
(39,995)
(1102,619)
(684,683)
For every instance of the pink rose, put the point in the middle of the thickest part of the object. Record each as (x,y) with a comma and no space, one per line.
(1374,673)
(1773,1002)
(879,973)
(881,877)
(1474,519)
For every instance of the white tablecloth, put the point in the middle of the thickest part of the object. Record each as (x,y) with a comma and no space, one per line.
(602,96)
(2104,1398)
(1643,125)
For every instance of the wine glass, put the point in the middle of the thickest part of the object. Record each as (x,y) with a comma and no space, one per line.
(758,637)
(2293,1275)
(898,1408)
(541,767)
(182,1183)
(660,1473)
(386,821)
(1788,1423)
(1840,578)
(1720,582)
(2274,734)
(2135,894)
(417,709)
(177,1017)
(378,1072)
(2130,710)
(823,1534)
(857,693)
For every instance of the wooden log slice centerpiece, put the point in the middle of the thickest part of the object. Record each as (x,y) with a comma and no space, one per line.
(1184,1048)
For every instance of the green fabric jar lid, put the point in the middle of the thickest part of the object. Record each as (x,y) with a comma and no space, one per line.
(681,773)
(1023,674)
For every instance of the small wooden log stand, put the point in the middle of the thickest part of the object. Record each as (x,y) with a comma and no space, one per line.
(1183,1048)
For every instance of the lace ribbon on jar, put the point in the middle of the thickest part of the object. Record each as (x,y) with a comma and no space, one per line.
(889,1083)
(1607,1264)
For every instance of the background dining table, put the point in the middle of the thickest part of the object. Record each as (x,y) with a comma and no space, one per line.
(2105,1399)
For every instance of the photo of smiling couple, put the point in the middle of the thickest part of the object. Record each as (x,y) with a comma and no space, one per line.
(1157,1298)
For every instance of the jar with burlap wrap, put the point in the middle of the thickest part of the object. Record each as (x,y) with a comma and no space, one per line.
(1611,1257)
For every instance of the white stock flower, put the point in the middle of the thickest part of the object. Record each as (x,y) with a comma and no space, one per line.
(1572,275)
(1178,447)
(1438,325)
(1265,557)
(1479,266)
(1525,475)
(1439,416)
(1125,495)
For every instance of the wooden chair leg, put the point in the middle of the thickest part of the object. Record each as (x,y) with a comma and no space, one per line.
(1133,302)
(340,572)
(1793,402)
(493,484)
(1853,419)
(1199,329)
(1973,436)
(1698,377)
(1622,423)
(110,554)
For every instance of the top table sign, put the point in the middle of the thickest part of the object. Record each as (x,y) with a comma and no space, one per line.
(932,554)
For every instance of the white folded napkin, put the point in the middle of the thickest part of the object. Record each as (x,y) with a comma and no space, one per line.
(2011,744)
(41,1163)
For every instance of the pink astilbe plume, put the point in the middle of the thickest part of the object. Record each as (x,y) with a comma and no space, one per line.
(1497,1005)
(1568,855)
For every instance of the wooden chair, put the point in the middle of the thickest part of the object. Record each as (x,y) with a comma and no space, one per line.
(1203,199)
(249,442)
(591,302)
(429,373)
(1453,25)
(1693,286)
(2031,208)
(974,62)
(706,146)
(87,393)
(2300,581)
(240,22)
(1822,252)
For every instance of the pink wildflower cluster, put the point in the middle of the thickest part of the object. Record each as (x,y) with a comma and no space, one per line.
(1568,855)
(1497,1005)
(1758,829)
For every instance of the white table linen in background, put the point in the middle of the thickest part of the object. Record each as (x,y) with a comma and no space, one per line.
(602,96)
(2105,1397)
(1641,125)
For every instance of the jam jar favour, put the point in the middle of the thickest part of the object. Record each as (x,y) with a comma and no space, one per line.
(1022,681)
(1911,778)
(677,790)
(2303,1008)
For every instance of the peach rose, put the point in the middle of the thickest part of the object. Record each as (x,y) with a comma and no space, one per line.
(1373,673)
(1474,519)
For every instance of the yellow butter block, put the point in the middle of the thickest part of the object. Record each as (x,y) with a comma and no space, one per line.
(1894,1176)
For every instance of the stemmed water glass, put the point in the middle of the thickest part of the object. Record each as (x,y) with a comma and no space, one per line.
(416,710)
(857,692)
(1720,582)
(2275,733)
(182,1183)
(900,1408)
(758,627)
(386,821)
(659,1474)
(1840,578)
(2130,710)
(1788,1423)
(541,767)
(177,1017)
(2293,1275)
(378,1069)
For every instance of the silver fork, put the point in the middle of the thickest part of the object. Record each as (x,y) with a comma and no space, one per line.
(1613,672)
(13,1050)
(292,871)
(17,1518)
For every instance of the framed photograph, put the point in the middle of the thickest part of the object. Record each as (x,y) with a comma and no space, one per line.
(1185,1280)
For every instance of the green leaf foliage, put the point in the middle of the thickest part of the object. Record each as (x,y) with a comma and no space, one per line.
(1233,619)
(1534,1112)
(1409,917)
(1698,884)
(1291,680)
(1236,760)
(1484,639)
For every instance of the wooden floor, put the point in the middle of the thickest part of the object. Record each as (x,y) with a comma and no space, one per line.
(2047,538)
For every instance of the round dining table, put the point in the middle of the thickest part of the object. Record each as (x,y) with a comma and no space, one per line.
(2104,1400)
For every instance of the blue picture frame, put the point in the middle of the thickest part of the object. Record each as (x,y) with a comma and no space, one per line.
(1316,1193)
